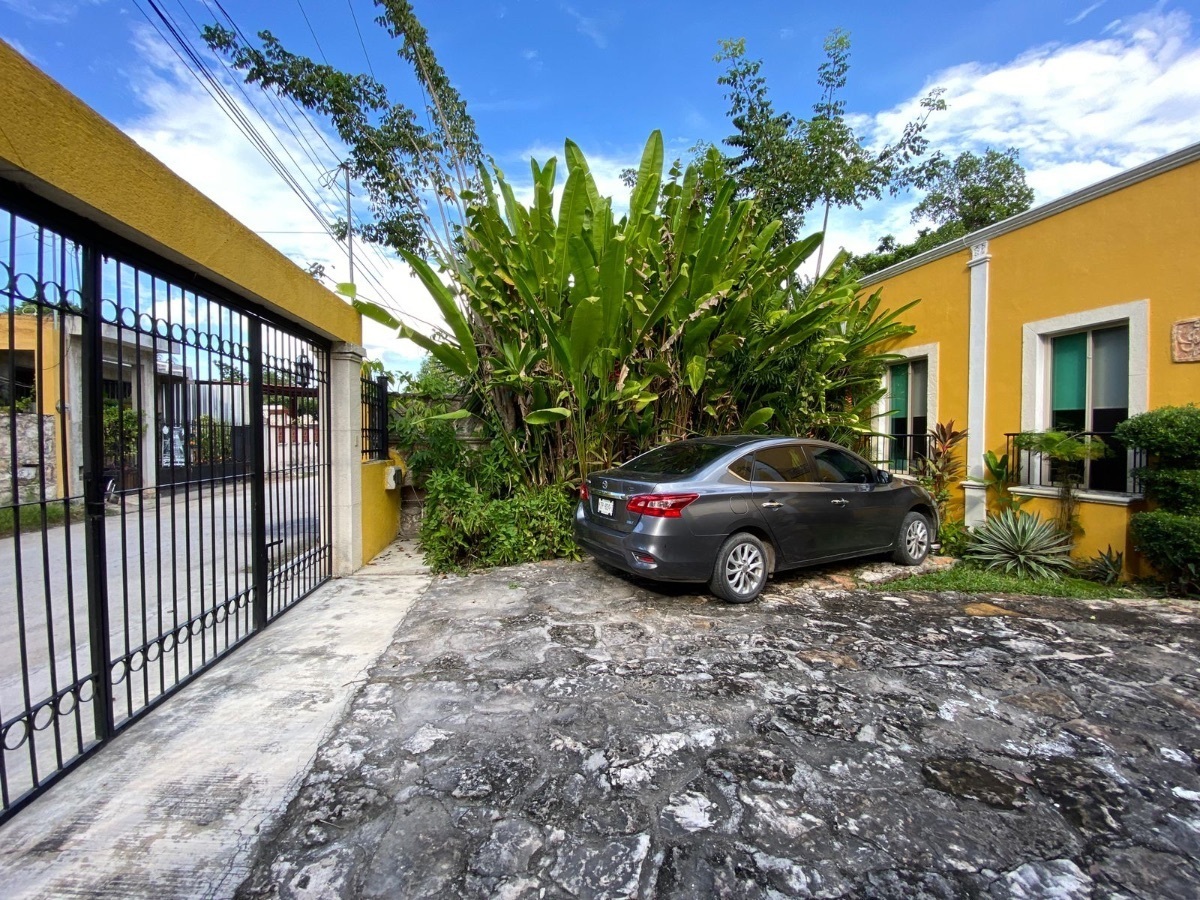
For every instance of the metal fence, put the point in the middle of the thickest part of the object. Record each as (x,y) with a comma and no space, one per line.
(374,418)
(165,489)
(1114,472)
(903,453)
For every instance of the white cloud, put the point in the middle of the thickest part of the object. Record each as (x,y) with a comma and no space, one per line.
(1078,113)
(48,12)
(591,26)
(183,126)
(1084,13)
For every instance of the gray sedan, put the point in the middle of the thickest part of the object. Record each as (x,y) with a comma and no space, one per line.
(733,510)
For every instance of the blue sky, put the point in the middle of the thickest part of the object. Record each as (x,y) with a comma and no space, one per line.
(1082,88)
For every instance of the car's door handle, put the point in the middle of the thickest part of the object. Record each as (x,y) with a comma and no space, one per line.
(839,502)
(771,504)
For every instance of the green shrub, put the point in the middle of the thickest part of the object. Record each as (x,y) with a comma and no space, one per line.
(955,537)
(1175,490)
(1023,545)
(463,528)
(1172,433)
(1171,542)
(1104,568)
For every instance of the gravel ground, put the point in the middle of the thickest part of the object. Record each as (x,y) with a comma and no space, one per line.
(559,731)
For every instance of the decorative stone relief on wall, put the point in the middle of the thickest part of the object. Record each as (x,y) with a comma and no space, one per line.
(979,251)
(1185,341)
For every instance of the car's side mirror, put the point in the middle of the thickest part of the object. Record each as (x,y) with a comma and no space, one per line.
(882,476)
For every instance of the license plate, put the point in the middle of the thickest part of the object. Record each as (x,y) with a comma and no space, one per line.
(604,506)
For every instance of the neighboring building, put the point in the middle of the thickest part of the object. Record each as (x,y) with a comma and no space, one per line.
(1074,315)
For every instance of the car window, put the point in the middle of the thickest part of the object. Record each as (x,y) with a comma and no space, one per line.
(680,458)
(782,464)
(742,467)
(838,466)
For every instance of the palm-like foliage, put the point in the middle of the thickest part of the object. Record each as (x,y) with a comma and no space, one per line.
(1021,544)
(589,337)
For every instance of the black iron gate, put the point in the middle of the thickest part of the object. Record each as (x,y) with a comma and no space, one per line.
(164,482)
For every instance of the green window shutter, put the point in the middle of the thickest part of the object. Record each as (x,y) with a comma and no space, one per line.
(898,397)
(1069,373)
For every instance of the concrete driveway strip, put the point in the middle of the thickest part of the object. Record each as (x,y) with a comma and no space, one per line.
(554,731)
(175,805)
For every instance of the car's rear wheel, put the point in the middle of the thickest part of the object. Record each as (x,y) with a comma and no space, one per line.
(913,541)
(740,572)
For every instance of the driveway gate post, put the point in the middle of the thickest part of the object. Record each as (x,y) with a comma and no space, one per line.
(259,559)
(93,490)
(345,442)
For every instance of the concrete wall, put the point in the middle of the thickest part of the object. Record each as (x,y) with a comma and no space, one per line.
(1126,246)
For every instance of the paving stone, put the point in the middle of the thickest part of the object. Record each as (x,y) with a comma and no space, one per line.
(558,731)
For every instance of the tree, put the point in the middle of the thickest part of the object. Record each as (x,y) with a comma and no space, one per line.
(974,191)
(794,165)
(965,195)
(415,175)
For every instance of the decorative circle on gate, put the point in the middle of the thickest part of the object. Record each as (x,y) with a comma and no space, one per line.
(87,691)
(67,702)
(181,634)
(197,339)
(227,347)
(161,328)
(209,620)
(15,734)
(221,614)
(128,317)
(146,323)
(137,661)
(52,293)
(177,332)
(196,627)
(43,715)
(6,282)
(108,311)
(118,671)
(154,651)
(26,286)
(168,643)
(243,601)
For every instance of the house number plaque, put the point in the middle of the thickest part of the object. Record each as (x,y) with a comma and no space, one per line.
(1185,341)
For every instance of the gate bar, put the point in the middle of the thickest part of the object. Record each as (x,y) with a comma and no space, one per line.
(93,490)
(260,563)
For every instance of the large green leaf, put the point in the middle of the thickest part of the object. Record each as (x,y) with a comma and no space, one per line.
(376,313)
(649,176)
(547,416)
(448,305)
(758,418)
(587,322)
(449,356)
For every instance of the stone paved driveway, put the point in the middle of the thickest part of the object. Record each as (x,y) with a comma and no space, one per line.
(558,731)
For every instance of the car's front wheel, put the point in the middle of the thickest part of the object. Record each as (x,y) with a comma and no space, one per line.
(913,541)
(740,572)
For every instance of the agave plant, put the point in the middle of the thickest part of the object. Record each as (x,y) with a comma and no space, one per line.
(1021,544)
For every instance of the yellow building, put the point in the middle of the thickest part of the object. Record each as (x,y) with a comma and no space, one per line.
(1071,316)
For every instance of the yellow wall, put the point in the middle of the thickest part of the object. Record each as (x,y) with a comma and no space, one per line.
(380,509)
(60,148)
(1136,243)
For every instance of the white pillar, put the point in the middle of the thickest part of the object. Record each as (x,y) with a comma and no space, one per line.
(974,489)
(344,432)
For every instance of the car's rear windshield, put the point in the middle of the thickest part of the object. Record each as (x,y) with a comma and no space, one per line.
(682,458)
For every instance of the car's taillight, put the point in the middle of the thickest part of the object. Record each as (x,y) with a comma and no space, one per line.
(583,491)
(663,506)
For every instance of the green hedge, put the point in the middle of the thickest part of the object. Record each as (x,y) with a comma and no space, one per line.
(1175,490)
(1172,433)
(1171,542)
(463,528)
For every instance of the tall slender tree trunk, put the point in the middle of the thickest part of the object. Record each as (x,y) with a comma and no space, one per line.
(824,228)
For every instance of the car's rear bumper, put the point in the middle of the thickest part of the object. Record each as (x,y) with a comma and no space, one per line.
(676,557)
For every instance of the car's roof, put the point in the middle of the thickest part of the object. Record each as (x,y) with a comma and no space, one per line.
(742,440)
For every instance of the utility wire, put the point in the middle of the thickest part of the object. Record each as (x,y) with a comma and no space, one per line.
(363,43)
(231,108)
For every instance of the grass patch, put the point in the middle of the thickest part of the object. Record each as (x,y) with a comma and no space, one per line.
(969,579)
(31,516)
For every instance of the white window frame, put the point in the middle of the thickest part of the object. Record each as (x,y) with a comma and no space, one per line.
(1036,340)
(880,414)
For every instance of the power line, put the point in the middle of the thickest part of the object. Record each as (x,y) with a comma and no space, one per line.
(363,43)
(216,90)
(312,31)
